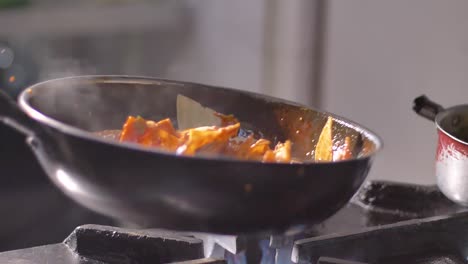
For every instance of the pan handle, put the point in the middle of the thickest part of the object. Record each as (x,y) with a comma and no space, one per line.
(11,115)
(426,108)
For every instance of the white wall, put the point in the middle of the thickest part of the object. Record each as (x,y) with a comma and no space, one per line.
(381,55)
(226,45)
(257,45)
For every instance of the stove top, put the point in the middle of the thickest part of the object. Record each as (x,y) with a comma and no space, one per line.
(384,223)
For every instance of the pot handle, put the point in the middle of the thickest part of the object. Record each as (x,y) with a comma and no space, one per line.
(12,116)
(426,108)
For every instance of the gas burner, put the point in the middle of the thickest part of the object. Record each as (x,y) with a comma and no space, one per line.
(93,244)
(439,239)
(384,223)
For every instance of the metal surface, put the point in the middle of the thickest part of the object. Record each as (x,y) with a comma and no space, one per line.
(441,238)
(100,244)
(452,152)
(159,189)
(379,211)
(452,168)
(111,245)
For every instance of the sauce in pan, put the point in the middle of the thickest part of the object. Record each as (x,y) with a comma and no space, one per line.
(223,140)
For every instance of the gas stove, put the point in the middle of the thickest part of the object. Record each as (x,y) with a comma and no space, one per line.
(384,223)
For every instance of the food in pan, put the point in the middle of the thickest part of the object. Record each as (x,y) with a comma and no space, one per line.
(223,140)
(324,151)
(203,140)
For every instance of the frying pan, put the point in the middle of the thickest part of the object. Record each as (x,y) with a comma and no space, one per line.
(157,189)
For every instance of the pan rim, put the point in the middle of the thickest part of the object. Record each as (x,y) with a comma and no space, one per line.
(23,102)
(446,113)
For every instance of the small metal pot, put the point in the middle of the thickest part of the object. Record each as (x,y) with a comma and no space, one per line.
(452,149)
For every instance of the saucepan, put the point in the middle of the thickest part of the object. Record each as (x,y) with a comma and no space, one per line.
(158,189)
(452,149)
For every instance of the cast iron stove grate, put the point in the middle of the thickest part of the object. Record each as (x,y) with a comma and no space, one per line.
(384,223)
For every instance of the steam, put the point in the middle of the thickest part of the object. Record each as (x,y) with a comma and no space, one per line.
(90,109)
(53,67)
(64,102)
(78,103)
(97,104)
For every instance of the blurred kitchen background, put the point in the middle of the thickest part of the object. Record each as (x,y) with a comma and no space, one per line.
(363,59)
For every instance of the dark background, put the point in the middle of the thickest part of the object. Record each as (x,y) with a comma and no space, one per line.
(33,212)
